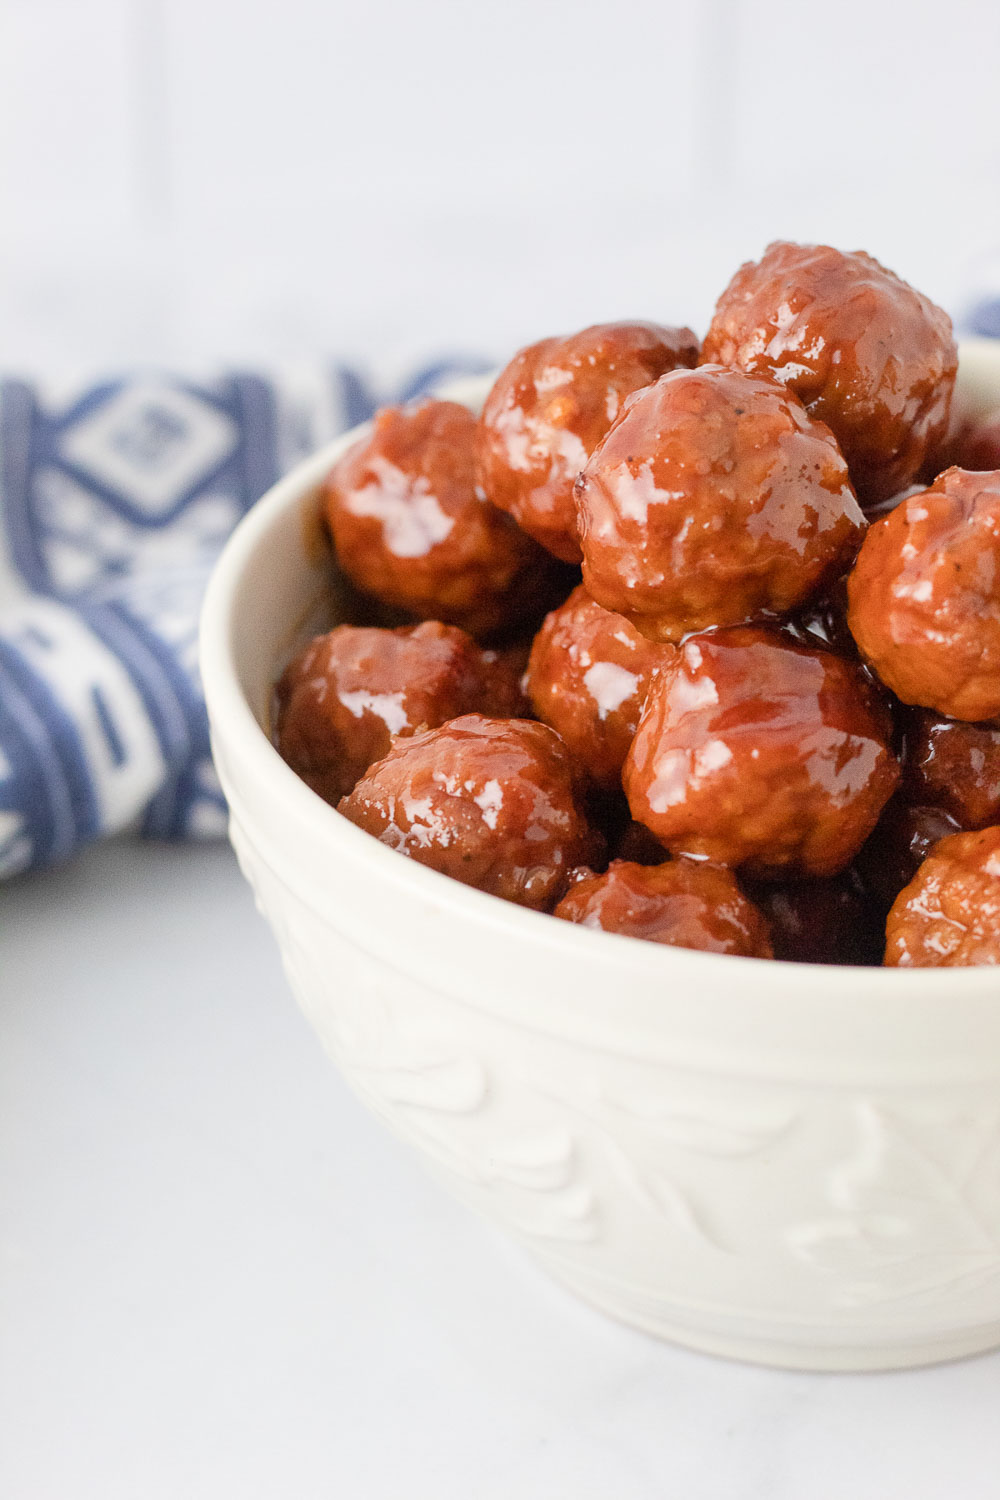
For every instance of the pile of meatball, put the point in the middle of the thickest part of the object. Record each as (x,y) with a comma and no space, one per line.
(695,643)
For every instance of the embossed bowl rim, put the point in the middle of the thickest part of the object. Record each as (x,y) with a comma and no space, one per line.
(229,669)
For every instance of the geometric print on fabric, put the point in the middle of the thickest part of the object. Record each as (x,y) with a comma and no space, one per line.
(116,497)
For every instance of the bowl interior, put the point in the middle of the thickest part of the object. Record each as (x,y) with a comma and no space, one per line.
(276,584)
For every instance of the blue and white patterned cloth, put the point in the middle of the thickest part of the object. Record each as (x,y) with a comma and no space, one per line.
(115,498)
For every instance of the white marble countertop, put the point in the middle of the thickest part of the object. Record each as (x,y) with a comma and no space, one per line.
(219,1278)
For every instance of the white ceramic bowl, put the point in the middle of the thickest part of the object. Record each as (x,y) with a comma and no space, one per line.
(793,1164)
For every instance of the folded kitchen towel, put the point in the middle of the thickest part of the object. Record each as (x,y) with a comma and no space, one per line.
(115,498)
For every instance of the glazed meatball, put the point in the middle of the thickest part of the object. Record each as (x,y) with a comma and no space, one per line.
(978,447)
(955,766)
(924,597)
(587,677)
(681,903)
(823,921)
(902,839)
(608,812)
(949,915)
(549,409)
(345,696)
(505,671)
(973,443)
(410,529)
(714,500)
(824,622)
(636,844)
(491,802)
(868,355)
(758,752)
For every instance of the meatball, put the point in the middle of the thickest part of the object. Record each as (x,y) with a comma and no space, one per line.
(949,914)
(681,903)
(975,444)
(758,752)
(636,844)
(491,802)
(868,355)
(505,671)
(924,597)
(955,766)
(714,500)
(345,696)
(823,921)
(549,409)
(903,837)
(979,447)
(587,677)
(824,622)
(409,527)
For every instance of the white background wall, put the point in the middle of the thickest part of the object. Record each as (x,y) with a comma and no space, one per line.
(191,180)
